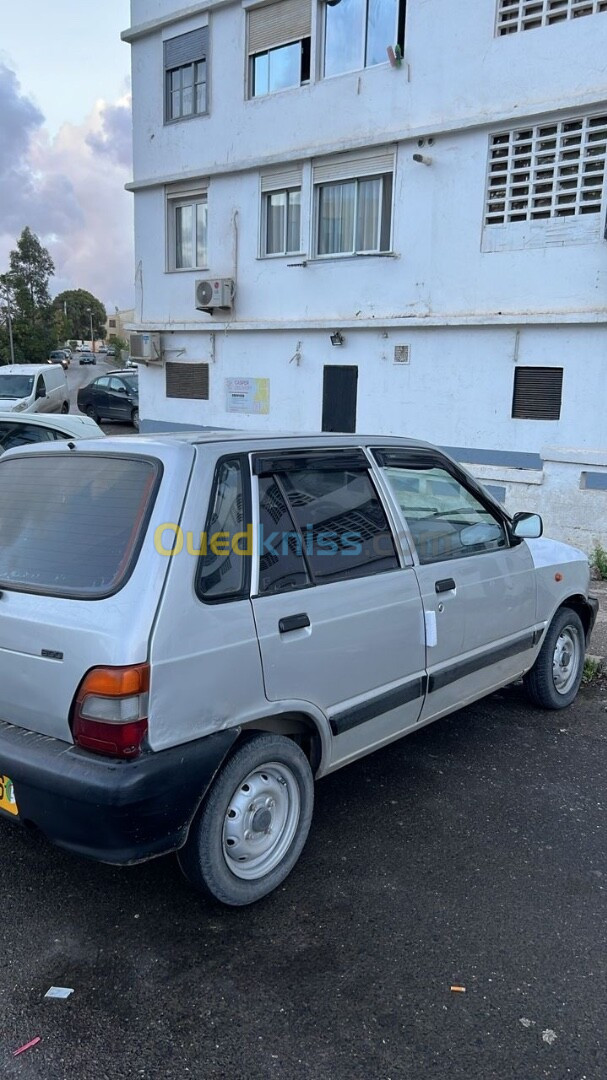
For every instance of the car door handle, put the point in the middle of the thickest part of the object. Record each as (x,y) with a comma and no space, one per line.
(444,585)
(293,622)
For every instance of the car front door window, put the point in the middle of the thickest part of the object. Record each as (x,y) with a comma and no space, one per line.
(445,519)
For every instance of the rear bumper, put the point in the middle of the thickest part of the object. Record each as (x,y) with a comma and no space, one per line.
(115,812)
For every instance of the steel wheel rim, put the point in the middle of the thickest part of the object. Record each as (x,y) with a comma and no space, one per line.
(261,821)
(566,659)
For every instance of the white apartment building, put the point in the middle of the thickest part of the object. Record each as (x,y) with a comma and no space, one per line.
(401,208)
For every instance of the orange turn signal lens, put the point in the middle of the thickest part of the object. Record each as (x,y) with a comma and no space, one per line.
(116,682)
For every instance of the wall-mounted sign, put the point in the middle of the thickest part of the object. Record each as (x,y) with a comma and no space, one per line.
(248,396)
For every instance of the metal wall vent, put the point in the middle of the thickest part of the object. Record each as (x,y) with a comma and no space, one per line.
(402,354)
(187,381)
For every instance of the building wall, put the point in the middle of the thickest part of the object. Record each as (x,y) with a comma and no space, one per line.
(471,302)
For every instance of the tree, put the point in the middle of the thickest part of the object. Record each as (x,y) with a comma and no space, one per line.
(73,308)
(31,269)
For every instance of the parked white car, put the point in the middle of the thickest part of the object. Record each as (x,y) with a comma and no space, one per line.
(37,388)
(344,591)
(32,428)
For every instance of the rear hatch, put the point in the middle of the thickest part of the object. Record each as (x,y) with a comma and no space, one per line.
(79,576)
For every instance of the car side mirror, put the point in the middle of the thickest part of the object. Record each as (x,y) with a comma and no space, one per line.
(122,389)
(527,526)
(40,393)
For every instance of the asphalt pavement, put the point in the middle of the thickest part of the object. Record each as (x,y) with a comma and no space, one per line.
(470,854)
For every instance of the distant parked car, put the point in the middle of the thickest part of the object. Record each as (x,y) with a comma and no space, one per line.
(33,428)
(112,397)
(87,358)
(111,351)
(102,349)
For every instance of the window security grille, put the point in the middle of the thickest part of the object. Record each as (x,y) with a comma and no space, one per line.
(549,171)
(187,381)
(537,393)
(515,15)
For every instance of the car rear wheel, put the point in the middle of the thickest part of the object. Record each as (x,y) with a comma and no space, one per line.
(135,419)
(253,824)
(555,678)
(91,411)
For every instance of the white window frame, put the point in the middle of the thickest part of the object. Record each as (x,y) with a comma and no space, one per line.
(177,198)
(278,182)
(515,16)
(362,66)
(521,182)
(302,29)
(191,57)
(369,165)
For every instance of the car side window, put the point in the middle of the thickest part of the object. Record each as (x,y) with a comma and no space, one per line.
(13,434)
(103,383)
(40,387)
(282,565)
(225,545)
(319,525)
(445,519)
(116,384)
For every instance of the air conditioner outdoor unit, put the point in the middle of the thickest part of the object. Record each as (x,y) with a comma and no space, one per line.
(146,349)
(214,293)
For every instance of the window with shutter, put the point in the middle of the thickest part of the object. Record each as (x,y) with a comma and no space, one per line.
(185,75)
(187,227)
(353,203)
(279,46)
(537,393)
(281,211)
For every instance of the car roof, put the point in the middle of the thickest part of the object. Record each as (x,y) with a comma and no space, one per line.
(26,369)
(81,427)
(145,443)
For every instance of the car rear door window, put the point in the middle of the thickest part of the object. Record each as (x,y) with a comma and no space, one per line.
(71,525)
(319,525)
(342,522)
(282,565)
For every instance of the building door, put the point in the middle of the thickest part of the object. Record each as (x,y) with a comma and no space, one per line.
(339,390)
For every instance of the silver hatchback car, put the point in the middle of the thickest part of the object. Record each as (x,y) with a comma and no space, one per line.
(196,626)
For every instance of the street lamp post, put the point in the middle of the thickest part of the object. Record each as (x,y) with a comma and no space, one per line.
(90,311)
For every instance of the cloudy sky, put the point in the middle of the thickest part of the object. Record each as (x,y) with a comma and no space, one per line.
(65,141)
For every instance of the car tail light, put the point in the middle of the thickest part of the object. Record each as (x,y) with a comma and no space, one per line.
(111,710)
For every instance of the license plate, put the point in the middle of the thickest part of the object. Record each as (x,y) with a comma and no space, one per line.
(7,796)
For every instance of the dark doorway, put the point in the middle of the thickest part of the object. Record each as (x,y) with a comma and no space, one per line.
(339,397)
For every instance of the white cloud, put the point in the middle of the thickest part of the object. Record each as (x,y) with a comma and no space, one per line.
(70,190)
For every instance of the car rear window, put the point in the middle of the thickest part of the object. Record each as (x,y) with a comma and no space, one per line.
(72,525)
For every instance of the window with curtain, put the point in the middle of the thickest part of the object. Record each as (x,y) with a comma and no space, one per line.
(358,32)
(282,222)
(354,215)
(187,225)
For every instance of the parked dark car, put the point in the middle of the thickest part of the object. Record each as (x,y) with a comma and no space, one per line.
(112,397)
(87,358)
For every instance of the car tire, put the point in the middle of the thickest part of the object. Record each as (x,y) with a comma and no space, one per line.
(555,678)
(90,411)
(135,419)
(253,824)
(65,408)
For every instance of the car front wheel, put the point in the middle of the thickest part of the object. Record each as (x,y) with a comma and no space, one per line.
(253,824)
(135,419)
(555,678)
(91,411)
